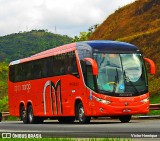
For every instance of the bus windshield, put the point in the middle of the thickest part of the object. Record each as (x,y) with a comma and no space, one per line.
(121,74)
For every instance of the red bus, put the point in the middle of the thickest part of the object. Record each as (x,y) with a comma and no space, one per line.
(79,81)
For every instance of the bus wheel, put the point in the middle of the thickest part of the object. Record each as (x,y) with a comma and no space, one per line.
(81,115)
(125,119)
(23,115)
(30,115)
(66,119)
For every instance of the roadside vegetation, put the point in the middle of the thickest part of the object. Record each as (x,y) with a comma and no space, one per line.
(20,45)
(25,44)
(69,139)
(3,86)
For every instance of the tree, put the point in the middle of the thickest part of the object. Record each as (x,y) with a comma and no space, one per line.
(83,36)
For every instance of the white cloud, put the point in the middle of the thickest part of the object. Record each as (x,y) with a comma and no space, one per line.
(69,16)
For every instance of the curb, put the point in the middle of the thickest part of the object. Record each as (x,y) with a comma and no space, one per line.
(133,117)
(151,116)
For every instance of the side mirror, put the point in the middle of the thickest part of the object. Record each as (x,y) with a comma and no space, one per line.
(94,65)
(152,65)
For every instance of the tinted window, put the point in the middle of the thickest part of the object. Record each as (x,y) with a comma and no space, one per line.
(61,64)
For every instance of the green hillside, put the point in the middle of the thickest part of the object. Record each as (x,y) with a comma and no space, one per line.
(137,23)
(20,45)
(3,86)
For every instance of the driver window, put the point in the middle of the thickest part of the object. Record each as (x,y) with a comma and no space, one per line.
(87,74)
(90,80)
(110,72)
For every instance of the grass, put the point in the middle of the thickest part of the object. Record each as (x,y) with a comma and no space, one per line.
(137,35)
(68,139)
(154,112)
(155,99)
(4,104)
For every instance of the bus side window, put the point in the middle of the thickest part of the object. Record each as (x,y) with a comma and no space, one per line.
(54,64)
(90,80)
(12,73)
(87,74)
(18,73)
(37,69)
(84,70)
(71,64)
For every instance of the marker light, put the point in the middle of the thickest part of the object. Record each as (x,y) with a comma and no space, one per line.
(145,100)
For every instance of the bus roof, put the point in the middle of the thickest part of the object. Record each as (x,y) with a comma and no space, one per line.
(47,53)
(99,45)
(108,45)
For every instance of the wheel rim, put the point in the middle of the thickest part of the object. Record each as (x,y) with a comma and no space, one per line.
(81,114)
(30,115)
(23,114)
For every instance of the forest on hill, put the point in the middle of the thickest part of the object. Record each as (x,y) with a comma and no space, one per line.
(138,24)
(20,45)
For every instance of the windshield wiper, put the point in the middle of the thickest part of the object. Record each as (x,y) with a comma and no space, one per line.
(116,80)
(128,80)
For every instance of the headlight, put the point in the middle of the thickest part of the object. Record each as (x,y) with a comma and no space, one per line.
(102,100)
(145,100)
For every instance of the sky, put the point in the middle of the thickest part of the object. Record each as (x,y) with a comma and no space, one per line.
(66,17)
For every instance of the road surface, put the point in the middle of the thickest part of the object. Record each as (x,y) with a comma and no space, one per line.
(97,128)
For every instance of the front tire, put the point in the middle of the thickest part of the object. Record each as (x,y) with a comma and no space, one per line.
(81,115)
(125,119)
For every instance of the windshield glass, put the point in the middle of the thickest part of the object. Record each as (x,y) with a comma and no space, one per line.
(121,73)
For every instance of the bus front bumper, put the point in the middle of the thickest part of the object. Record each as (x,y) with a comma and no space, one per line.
(110,110)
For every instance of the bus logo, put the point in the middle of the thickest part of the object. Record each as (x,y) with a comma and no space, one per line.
(55,96)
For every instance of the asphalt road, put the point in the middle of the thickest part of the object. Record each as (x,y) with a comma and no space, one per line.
(97,128)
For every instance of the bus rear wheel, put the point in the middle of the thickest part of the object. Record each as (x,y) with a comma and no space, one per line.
(23,115)
(81,114)
(125,119)
(30,115)
(31,118)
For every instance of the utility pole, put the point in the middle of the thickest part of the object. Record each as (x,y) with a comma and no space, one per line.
(55,30)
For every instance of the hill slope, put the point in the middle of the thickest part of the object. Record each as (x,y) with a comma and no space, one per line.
(138,17)
(20,45)
(137,23)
